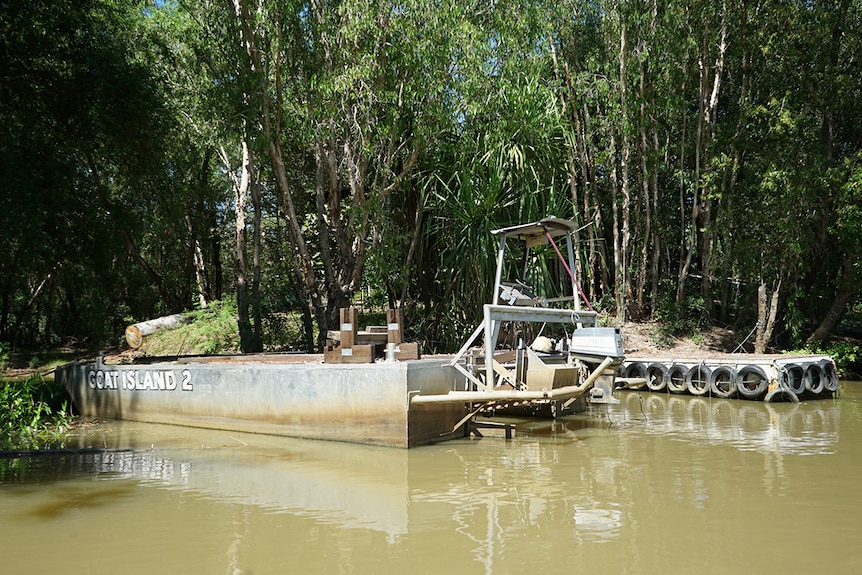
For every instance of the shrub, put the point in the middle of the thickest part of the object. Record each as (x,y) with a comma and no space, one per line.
(847,355)
(675,321)
(33,413)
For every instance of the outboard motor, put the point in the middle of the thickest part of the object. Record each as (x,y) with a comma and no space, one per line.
(593,345)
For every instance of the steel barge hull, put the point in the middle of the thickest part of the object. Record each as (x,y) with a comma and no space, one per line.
(290,395)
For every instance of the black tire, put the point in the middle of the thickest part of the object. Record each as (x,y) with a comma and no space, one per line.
(815,380)
(722,382)
(781,394)
(697,380)
(793,376)
(676,379)
(656,375)
(751,382)
(635,369)
(830,374)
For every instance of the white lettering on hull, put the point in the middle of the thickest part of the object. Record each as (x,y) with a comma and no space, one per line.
(139,380)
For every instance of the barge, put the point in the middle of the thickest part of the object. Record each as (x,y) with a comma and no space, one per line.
(370,387)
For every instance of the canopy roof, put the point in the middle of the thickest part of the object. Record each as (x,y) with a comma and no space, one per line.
(534,233)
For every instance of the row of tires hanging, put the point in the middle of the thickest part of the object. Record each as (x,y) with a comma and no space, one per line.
(776,381)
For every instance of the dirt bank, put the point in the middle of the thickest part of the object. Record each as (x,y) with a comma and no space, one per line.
(645,339)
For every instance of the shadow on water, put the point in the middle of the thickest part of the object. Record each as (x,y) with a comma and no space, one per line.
(28,475)
(560,431)
(79,498)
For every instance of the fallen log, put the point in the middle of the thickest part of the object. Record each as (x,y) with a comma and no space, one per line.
(135,333)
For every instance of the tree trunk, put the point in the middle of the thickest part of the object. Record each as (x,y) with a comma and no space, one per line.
(328,205)
(623,273)
(686,229)
(767,312)
(619,291)
(198,263)
(273,147)
(414,243)
(655,270)
(710,116)
(845,292)
(256,314)
(241,187)
(598,260)
(587,270)
(34,293)
(645,187)
(214,252)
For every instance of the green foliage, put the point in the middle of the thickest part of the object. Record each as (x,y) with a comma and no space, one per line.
(605,304)
(33,413)
(847,355)
(675,321)
(408,131)
(82,160)
(284,332)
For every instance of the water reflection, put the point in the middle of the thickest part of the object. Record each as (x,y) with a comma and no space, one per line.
(334,483)
(597,524)
(773,430)
(809,428)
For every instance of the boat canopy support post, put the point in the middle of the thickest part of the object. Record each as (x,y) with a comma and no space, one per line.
(498,277)
(575,287)
(456,361)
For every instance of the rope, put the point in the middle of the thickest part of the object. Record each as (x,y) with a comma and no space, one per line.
(746,338)
(571,275)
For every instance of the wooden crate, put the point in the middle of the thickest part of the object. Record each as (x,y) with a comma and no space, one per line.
(355,354)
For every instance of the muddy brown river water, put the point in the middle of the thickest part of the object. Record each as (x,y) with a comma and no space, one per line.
(656,485)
